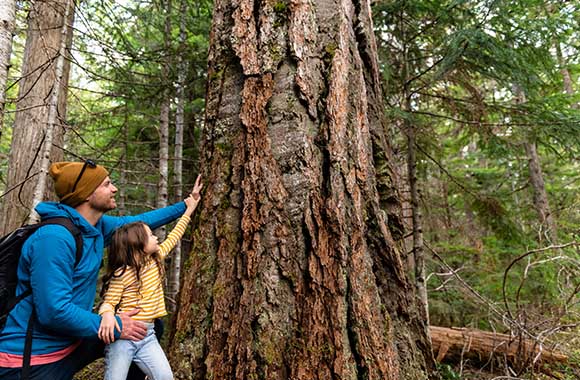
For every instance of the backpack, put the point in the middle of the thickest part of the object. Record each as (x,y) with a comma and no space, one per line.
(10,251)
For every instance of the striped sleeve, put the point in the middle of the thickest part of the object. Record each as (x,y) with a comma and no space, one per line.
(113,295)
(174,236)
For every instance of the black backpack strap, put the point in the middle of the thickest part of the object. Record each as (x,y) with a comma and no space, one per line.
(76,233)
(25,375)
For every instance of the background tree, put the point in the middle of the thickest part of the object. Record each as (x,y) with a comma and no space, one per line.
(175,267)
(7,22)
(46,20)
(450,68)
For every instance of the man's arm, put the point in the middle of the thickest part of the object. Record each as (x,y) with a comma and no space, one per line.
(154,219)
(51,273)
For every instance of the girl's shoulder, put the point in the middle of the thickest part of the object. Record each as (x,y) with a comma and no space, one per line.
(122,270)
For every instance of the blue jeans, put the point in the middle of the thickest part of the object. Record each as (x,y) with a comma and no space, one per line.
(146,353)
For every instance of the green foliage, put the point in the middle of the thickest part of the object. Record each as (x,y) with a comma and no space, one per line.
(476,81)
(447,372)
(117,112)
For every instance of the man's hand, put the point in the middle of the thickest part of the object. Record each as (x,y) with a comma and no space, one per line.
(132,330)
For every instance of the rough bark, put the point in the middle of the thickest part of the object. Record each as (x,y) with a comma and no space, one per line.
(43,41)
(7,21)
(295,272)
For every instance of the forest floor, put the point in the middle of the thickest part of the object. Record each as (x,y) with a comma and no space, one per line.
(454,373)
(95,371)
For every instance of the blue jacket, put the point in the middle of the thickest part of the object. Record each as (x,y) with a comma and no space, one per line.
(62,295)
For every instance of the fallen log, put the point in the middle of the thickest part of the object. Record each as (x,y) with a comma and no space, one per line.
(484,345)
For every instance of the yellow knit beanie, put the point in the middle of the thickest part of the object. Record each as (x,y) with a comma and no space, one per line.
(66,174)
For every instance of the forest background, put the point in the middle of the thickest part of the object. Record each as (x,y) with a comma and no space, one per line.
(484,122)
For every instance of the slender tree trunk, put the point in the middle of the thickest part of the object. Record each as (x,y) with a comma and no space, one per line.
(295,272)
(565,73)
(552,10)
(472,230)
(162,190)
(548,227)
(447,222)
(418,247)
(417,223)
(7,22)
(566,77)
(175,268)
(122,196)
(39,75)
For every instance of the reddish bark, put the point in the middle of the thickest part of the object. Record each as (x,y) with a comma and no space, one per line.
(295,272)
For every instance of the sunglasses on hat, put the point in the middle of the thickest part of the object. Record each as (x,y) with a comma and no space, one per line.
(89,163)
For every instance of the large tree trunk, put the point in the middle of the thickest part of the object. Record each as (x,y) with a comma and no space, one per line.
(295,272)
(43,42)
(7,20)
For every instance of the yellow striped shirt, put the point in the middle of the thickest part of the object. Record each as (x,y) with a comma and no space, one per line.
(124,290)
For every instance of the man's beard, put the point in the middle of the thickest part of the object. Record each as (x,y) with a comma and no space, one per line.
(104,206)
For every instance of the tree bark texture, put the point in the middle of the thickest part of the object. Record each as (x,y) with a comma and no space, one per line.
(296,271)
(7,22)
(43,41)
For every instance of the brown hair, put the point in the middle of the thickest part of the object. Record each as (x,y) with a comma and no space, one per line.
(127,250)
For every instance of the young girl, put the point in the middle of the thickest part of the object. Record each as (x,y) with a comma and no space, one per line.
(134,280)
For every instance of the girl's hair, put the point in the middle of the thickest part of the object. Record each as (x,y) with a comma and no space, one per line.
(127,249)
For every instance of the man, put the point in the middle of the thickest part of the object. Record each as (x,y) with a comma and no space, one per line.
(65,328)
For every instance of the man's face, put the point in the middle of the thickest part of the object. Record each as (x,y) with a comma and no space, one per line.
(103,198)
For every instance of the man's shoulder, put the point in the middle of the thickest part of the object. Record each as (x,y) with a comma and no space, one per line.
(52,232)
